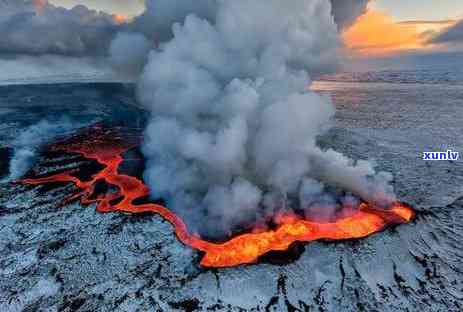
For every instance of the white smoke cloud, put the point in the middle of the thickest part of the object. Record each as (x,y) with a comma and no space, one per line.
(156,25)
(29,141)
(159,15)
(234,126)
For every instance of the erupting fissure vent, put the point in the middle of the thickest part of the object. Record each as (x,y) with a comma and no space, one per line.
(107,148)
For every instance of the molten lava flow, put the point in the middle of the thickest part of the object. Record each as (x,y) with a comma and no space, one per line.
(107,149)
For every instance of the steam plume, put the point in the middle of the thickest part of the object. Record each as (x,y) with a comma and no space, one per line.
(29,141)
(234,127)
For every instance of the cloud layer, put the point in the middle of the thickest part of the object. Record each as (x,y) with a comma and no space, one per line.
(345,12)
(452,35)
(37,27)
(363,38)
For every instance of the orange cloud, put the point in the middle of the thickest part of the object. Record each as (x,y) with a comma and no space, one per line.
(119,19)
(376,33)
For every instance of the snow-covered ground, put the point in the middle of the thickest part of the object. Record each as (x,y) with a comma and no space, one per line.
(74,259)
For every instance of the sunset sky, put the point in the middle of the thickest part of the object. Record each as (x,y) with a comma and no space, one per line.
(398,9)
(389,26)
(394,26)
(420,9)
(124,7)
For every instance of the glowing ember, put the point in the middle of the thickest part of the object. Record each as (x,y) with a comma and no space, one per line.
(107,149)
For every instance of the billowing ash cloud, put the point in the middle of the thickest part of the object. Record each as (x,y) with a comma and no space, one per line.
(234,126)
(129,51)
(160,15)
(347,11)
(30,140)
(37,27)
(154,26)
(452,35)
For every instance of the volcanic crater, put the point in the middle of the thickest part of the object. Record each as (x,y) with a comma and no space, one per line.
(102,180)
(60,253)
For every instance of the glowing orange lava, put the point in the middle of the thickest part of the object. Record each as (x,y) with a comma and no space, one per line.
(107,149)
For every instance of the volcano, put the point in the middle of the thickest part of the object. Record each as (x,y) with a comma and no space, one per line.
(107,146)
(58,253)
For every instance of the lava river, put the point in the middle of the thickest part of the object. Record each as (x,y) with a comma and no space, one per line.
(106,148)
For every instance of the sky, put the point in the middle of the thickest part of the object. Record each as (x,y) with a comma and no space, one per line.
(403,26)
(123,7)
(421,9)
(399,9)
(388,26)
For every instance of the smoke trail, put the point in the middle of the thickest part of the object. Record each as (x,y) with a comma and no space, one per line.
(28,143)
(233,129)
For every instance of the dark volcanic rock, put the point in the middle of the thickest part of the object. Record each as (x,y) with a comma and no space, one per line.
(5,155)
